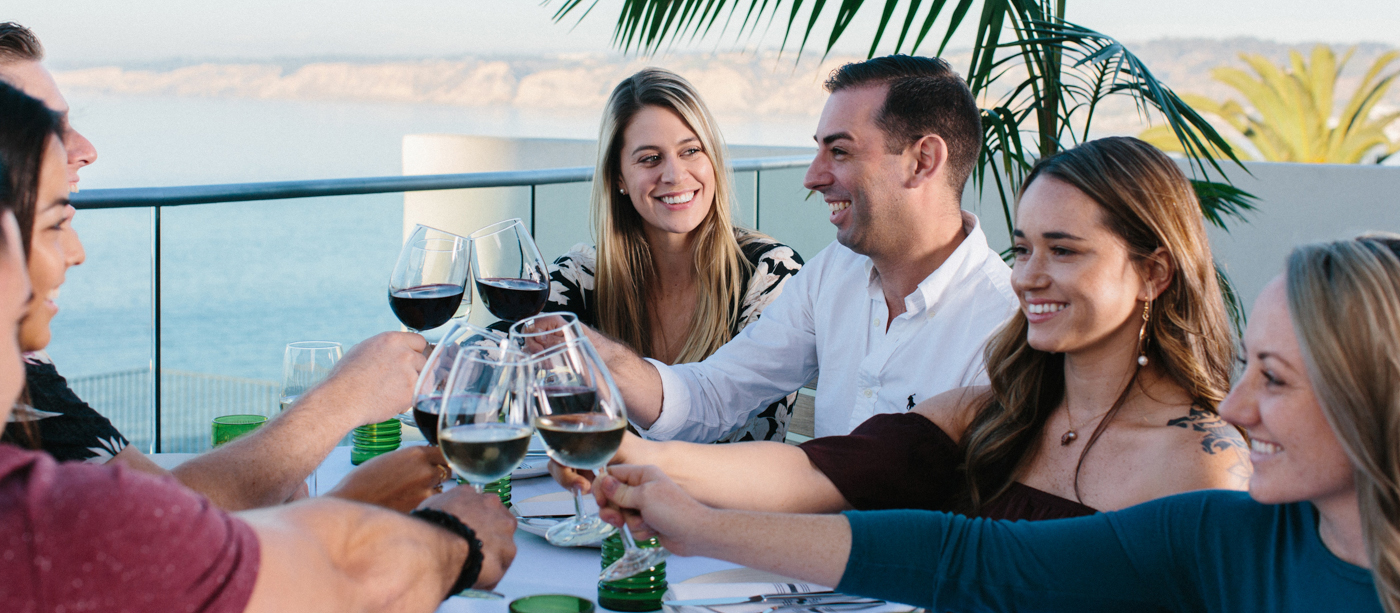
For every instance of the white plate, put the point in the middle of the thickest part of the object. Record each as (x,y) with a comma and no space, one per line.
(556,503)
(741,575)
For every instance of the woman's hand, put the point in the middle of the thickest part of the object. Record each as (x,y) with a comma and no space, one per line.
(398,480)
(652,505)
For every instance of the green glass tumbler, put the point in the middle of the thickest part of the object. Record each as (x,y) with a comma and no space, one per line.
(229,427)
(641,592)
(375,439)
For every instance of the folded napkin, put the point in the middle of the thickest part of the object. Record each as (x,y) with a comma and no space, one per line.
(557,507)
(692,591)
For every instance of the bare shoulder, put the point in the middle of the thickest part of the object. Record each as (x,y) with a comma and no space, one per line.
(952,410)
(1208,452)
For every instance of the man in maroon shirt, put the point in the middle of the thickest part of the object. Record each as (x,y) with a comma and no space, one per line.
(82,537)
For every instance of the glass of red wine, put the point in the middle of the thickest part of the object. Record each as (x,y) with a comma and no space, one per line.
(432,381)
(484,424)
(581,420)
(430,278)
(510,274)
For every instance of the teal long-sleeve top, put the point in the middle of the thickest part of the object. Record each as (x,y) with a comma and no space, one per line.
(1201,551)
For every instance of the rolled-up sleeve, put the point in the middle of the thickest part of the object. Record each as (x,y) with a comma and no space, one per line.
(771,358)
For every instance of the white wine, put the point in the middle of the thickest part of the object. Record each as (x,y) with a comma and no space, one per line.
(582,440)
(483,453)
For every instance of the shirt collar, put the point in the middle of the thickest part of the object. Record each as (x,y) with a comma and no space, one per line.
(968,255)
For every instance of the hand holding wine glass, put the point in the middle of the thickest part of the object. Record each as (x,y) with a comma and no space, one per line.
(510,274)
(430,278)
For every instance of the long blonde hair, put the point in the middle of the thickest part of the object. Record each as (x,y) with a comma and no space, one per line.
(1149,204)
(625,268)
(1344,298)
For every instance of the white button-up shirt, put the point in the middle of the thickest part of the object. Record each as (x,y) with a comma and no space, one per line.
(831,316)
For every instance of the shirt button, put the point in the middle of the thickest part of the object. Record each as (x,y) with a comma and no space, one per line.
(867,393)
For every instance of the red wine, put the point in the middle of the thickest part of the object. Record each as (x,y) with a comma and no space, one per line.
(483,453)
(581,440)
(427,306)
(512,299)
(425,415)
(566,399)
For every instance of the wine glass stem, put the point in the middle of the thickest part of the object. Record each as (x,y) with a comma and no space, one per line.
(578,502)
(480,488)
(627,539)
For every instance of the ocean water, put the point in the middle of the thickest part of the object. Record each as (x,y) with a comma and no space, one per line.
(241,280)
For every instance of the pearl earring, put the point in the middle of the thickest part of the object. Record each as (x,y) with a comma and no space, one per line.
(1142,334)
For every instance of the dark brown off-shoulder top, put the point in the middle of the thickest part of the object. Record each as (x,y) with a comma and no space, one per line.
(905,461)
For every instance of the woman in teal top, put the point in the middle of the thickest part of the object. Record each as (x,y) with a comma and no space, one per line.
(1320,399)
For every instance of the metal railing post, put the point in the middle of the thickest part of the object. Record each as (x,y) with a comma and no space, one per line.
(155,322)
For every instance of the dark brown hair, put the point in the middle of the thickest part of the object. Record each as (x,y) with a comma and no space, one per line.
(925,97)
(18,44)
(1147,202)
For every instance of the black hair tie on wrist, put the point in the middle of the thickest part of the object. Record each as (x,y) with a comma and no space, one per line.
(471,567)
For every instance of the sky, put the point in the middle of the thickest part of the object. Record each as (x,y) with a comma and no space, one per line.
(95,32)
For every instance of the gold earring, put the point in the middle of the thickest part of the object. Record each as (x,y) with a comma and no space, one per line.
(1142,334)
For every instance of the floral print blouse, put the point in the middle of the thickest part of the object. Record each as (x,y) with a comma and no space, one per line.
(571,289)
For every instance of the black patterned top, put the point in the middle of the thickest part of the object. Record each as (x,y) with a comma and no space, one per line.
(571,289)
(68,428)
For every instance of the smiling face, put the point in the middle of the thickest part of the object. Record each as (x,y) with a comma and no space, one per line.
(1078,286)
(858,177)
(666,172)
(53,247)
(14,298)
(1295,453)
(33,79)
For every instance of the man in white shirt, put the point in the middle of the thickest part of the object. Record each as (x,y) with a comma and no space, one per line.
(896,312)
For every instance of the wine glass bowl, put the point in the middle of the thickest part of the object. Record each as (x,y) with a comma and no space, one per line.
(431,387)
(536,334)
(581,419)
(429,282)
(484,425)
(510,275)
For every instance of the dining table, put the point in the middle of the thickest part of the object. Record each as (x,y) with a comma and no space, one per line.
(539,568)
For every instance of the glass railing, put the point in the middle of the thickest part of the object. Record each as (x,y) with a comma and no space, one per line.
(171,413)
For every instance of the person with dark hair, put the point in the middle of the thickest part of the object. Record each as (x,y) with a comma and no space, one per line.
(80,537)
(1318,394)
(894,312)
(266,467)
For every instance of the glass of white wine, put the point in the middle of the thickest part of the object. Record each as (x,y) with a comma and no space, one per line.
(484,425)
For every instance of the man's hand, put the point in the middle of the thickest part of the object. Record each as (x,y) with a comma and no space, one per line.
(493,524)
(633,450)
(398,480)
(652,505)
(375,379)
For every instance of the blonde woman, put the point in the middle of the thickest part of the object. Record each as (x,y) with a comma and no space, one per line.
(671,276)
(1318,531)
(1104,385)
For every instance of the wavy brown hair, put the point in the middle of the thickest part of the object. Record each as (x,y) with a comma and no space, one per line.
(625,267)
(1148,203)
(1344,299)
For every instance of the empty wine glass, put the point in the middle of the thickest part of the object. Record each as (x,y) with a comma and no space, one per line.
(484,423)
(510,274)
(581,422)
(432,380)
(430,279)
(305,364)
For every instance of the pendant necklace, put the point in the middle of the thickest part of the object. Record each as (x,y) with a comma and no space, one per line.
(1072,433)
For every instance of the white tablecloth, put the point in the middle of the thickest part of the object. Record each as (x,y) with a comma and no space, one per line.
(539,568)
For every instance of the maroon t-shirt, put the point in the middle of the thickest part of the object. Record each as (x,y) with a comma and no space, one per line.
(82,537)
